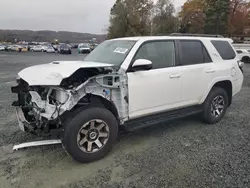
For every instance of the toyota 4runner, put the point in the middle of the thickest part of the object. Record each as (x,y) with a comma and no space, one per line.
(126,82)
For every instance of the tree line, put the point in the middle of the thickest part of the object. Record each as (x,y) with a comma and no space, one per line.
(144,17)
(47,36)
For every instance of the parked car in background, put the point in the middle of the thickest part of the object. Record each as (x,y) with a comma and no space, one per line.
(244,55)
(25,48)
(38,48)
(55,46)
(64,49)
(2,47)
(50,49)
(14,48)
(93,46)
(84,48)
(74,45)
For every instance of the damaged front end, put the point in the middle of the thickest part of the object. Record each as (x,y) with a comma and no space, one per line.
(38,107)
(42,110)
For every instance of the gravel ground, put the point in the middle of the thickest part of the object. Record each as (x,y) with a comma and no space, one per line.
(184,153)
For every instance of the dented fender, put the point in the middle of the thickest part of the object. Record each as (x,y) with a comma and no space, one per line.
(112,87)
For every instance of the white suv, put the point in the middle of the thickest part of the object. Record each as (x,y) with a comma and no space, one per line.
(126,82)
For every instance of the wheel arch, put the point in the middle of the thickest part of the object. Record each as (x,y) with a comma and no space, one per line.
(99,101)
(88,102)
(227,86)
(95,101)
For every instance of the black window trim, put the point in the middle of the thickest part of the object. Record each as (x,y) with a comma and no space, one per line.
(176,60)
(203,48)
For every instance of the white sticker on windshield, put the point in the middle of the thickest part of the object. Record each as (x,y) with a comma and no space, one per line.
(121,50)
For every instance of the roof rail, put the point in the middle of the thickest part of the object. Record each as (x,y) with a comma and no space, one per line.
(196,35)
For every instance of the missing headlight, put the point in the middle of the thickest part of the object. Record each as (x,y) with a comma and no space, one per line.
(58,96)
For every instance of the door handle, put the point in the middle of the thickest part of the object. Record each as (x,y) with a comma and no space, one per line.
(175,76)
(210,70)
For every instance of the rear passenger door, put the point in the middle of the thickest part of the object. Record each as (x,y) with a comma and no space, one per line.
(158,89)
(197,68)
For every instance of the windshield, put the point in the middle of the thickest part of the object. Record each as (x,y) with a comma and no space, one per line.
(111,51)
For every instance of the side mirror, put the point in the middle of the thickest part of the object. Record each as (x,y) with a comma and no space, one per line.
(142,64)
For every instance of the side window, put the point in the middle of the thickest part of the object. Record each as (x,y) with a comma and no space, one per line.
(161,53)
(193,52)
(224,49)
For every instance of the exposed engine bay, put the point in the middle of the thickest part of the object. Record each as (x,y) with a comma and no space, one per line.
(45,108)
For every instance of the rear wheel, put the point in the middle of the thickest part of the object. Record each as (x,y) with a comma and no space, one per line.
(215,105)
(90,135)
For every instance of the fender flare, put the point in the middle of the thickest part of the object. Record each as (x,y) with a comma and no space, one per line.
(212,84)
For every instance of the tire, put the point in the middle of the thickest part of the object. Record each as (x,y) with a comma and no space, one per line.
(82,122)
(210,115)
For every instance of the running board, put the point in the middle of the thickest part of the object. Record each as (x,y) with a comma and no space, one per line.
(36,143)
(147,121)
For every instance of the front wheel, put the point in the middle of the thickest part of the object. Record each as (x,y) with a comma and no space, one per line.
(215,105)
(90,135)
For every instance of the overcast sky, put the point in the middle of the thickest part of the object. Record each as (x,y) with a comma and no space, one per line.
(60,15)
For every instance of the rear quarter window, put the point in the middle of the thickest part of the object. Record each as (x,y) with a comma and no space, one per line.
(224,49)
(193,52)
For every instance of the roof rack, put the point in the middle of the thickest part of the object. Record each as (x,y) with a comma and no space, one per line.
(196,35)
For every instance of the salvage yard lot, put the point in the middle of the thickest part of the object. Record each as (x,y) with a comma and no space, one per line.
(184,153)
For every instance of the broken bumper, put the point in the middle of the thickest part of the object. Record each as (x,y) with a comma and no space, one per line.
(22,122)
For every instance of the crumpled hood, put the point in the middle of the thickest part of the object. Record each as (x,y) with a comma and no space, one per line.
(53,73)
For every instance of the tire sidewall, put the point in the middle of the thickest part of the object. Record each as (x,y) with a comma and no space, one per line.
(207,106)
(73,126)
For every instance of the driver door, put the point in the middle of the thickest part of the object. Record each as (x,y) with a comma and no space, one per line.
(158,89)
